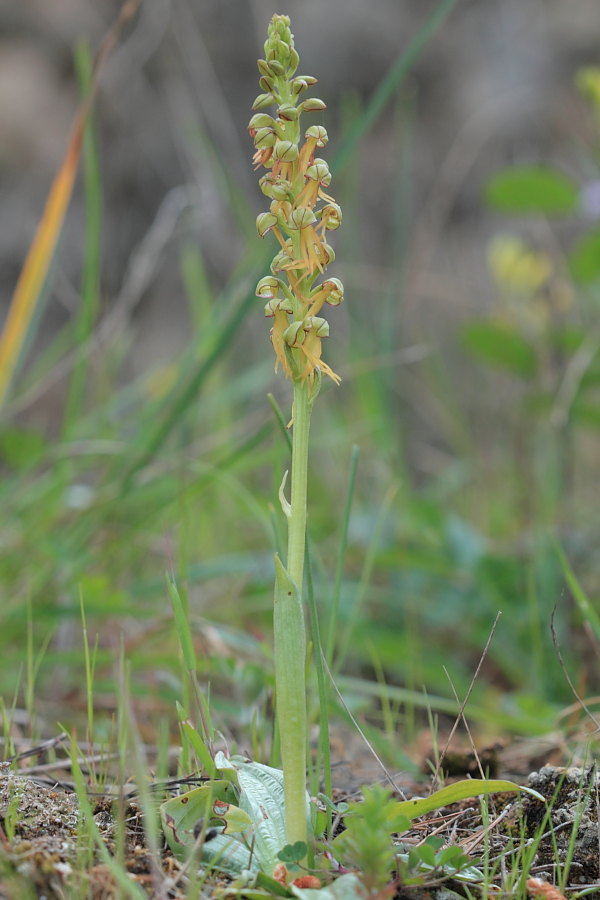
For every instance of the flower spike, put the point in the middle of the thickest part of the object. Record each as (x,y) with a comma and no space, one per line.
(301,213)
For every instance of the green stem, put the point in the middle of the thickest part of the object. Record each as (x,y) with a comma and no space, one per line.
(297,521)
(290,631)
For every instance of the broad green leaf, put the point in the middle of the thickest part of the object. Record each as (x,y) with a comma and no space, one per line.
(261,797)
(182,813)
(584,258)
(501,345)
(453,793)
(532,189)
(236,820)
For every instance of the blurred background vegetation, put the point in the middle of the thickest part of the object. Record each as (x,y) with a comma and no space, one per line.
(138,438)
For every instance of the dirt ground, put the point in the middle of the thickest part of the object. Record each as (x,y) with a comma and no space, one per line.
(41,839)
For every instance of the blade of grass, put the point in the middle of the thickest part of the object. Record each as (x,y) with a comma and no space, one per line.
(365,576)
(341,557)
(121,877)
(581,599)
(90,285)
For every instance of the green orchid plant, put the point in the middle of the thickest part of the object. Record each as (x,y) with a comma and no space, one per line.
(253,821)
(300,216)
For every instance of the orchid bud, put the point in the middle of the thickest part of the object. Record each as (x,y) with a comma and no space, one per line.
(264,100)
(267,84)
(261,120)
(276,67)
(313,104)
(288,112)
(299,85)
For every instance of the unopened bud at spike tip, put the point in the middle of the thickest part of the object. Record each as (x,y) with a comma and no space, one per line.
(263,101)
(288,112)
(275,67)
(267,84)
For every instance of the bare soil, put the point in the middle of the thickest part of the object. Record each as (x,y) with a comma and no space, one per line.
(46,849)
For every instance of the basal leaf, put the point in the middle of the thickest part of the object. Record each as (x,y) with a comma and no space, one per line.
(181,815)
(261,797)
(184,811)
